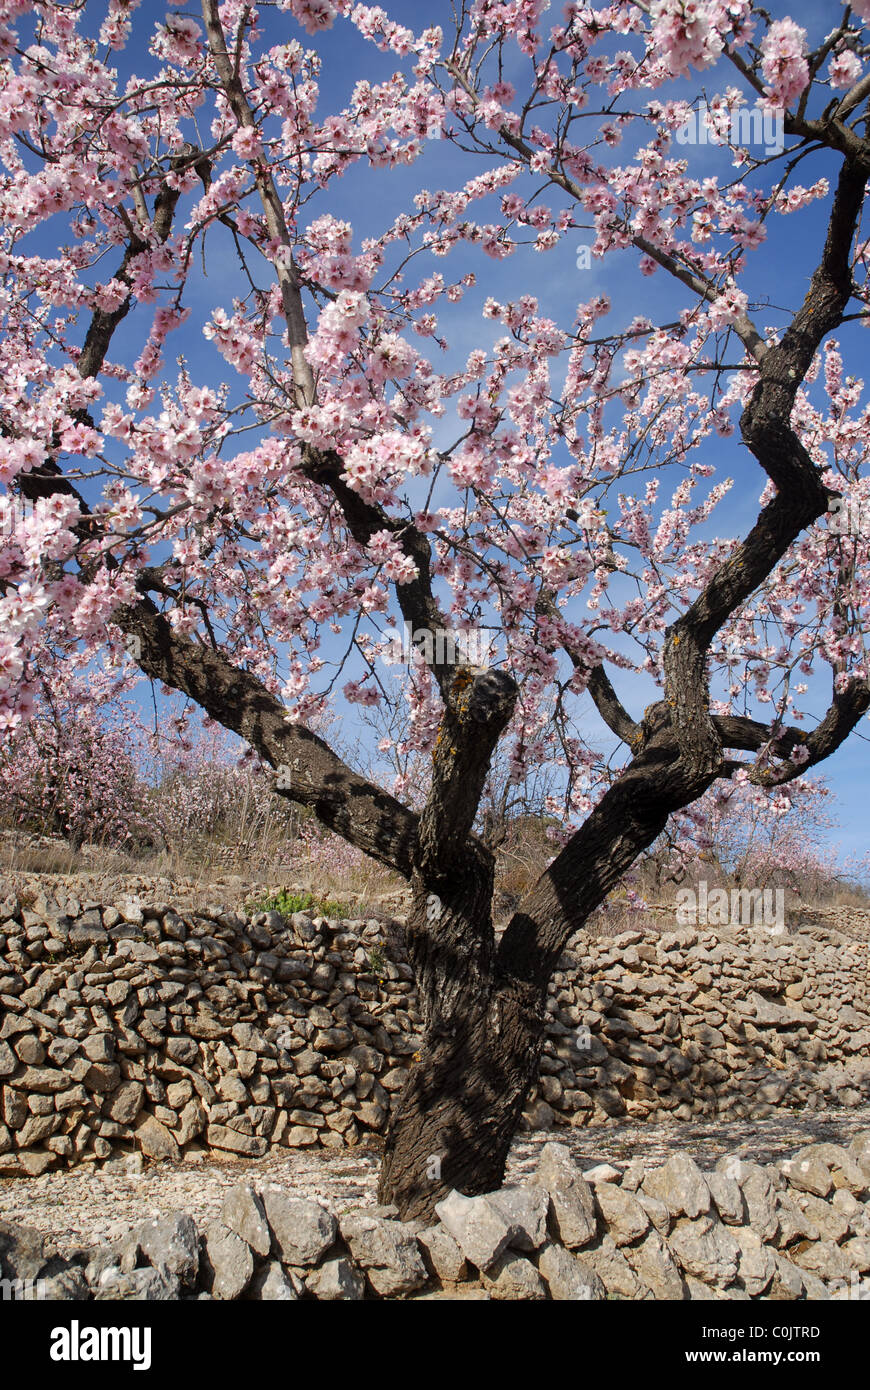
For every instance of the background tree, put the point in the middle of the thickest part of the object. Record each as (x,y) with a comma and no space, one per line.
(73,771)
(244,541)
(748,835)
(206,802)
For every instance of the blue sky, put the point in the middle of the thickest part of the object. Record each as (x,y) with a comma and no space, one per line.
(369,199)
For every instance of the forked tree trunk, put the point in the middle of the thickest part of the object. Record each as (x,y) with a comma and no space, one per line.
(453,1124)
(457,1117)
(484,1004)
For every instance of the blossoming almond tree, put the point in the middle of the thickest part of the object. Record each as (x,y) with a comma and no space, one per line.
(244,540)
(71,768)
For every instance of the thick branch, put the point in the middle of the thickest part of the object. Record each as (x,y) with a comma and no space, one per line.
(364,519)
(801,498)
(313,775)
(598,683)
(853,98)
(736,731)
(846,710)
(628,819)
(610,707)
(478,712)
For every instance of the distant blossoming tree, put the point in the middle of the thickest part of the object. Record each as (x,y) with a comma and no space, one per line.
(750,835)
(242,539)
(72,768)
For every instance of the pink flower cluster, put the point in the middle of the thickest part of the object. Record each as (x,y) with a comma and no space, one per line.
(784,63)
(687,32)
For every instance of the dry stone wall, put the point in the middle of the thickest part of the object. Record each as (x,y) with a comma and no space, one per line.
(789,1231)
(138,1026)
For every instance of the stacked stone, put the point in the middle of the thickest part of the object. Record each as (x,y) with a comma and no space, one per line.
(796,1230)
(125,1026)
(731,1022)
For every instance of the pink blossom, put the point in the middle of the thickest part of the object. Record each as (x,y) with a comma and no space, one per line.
(313,15)
(686,32)
(728,307)
(844,69)
(784,63)
(247,142)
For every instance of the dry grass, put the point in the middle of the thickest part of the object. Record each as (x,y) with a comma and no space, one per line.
(274,860)
(263,870)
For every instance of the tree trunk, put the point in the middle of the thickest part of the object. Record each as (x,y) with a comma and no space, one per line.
(457,1117)
(484,1005)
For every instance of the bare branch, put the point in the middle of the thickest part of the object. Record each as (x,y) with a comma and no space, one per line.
(844,713)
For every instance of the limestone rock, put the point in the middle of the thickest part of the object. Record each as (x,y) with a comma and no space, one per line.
(705,1249)
(222,1137)
(21,1252)
(857,1252)
(228,1262)
(612,1268)
(139,1286)
(681,1185)
(387,1251)
(794,1224)
(759,1195)
(68,1286)
(336,1280)
(479,1227)
(243,1212)
(656,1268)
(572,1201)
(155,1140)
(443,1254)
(824,1259)
(272,1285)
(808,1172)
(846,1173)
(657,1212)
(756,1262)
(727,1198)
(825,1220)
(600,1173)
(171,1245)
(124,1103)
(513,1277)
(622,1214)
(859,1148)
(525,1208)
(787,1283)
(568,1276)
(303,1231)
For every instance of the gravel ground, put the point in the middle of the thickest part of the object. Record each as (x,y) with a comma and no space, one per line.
(87,1205)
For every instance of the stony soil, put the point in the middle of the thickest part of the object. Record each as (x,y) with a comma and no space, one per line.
(92,1204)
